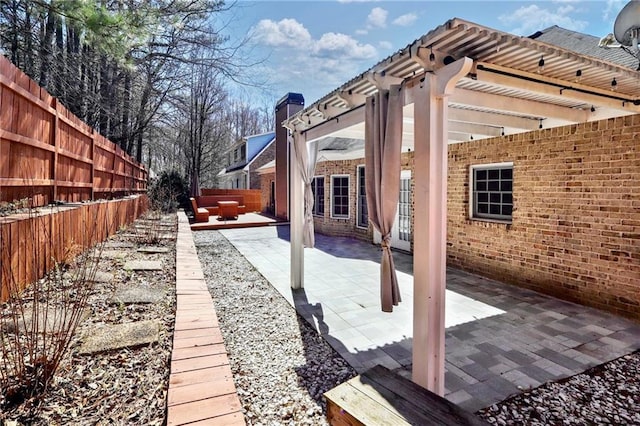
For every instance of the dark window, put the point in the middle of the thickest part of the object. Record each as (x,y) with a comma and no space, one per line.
(493,192)
(317,187)
(363,214)
(340,196)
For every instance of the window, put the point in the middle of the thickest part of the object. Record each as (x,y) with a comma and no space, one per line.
(363,214)
(492,191)
(340,197)
(317,187)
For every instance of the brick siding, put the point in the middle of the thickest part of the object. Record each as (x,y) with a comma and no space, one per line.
(266,179)
(346,227)
(575,232)
(269,154)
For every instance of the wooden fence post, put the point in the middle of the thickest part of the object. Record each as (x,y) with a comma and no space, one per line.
(56,145)
(93,164)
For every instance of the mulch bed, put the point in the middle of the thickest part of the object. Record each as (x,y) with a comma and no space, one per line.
(122,386)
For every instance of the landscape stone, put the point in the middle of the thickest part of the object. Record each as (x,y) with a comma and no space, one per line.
(117,244)
(49,320)
(112,254)
(103,277)
(140,294)
(118,336)
(143,265)
(153,250)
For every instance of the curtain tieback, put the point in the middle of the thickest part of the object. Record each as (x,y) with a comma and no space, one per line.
(386,242)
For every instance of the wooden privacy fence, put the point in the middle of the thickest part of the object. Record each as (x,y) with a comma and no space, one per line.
(31,243)
(48,154)
(252,197)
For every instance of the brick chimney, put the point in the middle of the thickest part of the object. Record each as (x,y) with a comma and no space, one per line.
(289,105)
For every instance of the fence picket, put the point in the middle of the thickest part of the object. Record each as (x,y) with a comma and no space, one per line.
(40,140)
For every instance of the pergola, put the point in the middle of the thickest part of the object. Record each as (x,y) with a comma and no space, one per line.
(461,81)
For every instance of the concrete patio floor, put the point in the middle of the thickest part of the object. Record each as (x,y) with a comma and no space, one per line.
(500,339)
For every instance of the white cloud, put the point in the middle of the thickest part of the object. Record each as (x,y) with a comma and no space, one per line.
(336,45)
(362,32)
(377,18)
(405,20)
(287,32)
(385,45)
(613,8)
(306,63)
(529,19)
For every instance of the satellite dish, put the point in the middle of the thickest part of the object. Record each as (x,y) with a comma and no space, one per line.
(627,26)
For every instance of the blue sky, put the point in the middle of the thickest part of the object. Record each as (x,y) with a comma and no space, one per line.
(312,47)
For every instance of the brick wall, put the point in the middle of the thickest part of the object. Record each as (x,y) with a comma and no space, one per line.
(265,190)
(268,154)
(346,227)
(575,232)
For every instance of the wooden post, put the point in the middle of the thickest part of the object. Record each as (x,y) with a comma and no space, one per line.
(56,145)
(296,216)
(93,163)
(430,234)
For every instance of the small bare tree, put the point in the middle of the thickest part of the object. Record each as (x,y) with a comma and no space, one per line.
(38,322)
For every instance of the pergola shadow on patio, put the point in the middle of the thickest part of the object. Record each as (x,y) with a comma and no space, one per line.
(500,339)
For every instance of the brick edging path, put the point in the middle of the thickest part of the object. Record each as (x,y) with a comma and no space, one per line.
(201,388)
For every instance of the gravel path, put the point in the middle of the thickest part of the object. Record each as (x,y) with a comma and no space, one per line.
(608,394)
(282,367)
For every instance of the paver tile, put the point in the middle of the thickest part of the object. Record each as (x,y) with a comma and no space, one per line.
(189,342)
(192,324)
(204,375)
(198,363)
(196,332)
(197,351)
(205,409)
(199,391)
(234,419)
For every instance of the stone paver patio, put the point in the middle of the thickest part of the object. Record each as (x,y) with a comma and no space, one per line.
(501,339)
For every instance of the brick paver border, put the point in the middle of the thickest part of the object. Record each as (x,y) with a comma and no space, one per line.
(201,388)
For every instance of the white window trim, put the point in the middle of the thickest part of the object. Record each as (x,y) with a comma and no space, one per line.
(358,168)
(348,216)
(485,166)
(323,195)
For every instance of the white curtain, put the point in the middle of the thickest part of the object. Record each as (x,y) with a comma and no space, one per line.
(307,157)
(383,144)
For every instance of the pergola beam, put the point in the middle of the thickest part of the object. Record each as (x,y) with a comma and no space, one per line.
(515,105)
(502,77)
(492,119)
(474,129)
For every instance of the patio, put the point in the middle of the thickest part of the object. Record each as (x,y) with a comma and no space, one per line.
(500,339)
(246,220)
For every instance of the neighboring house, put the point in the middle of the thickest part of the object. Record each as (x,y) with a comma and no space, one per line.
(553,209)
(244,158)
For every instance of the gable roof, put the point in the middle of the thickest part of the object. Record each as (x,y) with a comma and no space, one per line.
(584,44)
(255,145)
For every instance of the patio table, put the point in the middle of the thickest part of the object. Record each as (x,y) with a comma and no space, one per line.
(227,209)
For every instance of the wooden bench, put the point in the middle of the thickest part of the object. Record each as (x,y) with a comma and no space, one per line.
(210,202)
(381,397)
(200,214)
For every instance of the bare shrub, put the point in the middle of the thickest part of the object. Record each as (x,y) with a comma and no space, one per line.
(38,322)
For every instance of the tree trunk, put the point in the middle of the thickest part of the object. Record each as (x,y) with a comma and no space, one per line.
(45,50)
